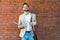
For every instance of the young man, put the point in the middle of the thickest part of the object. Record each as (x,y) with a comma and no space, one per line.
(26,22)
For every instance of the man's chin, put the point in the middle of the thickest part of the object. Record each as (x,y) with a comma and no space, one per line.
(26,10)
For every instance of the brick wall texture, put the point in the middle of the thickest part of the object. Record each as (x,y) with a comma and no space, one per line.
(48,18)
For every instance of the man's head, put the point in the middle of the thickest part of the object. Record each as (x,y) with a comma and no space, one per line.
(25,7)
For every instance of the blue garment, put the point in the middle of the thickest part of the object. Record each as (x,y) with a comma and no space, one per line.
(27,36)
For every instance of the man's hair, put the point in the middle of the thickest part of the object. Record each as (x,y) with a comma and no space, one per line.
(26,4)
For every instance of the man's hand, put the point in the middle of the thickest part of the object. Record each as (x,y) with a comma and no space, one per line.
(20,27)
(31,23)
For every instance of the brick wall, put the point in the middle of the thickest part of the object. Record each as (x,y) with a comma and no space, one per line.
(48,18)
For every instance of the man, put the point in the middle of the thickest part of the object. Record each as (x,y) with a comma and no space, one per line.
(26,22)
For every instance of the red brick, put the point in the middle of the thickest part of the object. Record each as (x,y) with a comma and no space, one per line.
(48,18)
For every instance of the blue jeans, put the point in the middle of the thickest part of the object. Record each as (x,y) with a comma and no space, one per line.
(28,36)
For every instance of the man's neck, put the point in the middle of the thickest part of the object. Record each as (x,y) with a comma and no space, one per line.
(26,12)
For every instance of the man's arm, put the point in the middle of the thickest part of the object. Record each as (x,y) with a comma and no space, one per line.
(34,19)
(33,23)
(20,23)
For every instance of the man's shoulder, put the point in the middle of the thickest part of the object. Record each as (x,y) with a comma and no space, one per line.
(21,15)
(33,14)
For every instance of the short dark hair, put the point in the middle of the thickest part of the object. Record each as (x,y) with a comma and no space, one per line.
(26,4)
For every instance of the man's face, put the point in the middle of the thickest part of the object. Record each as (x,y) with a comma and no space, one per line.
(25,7)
